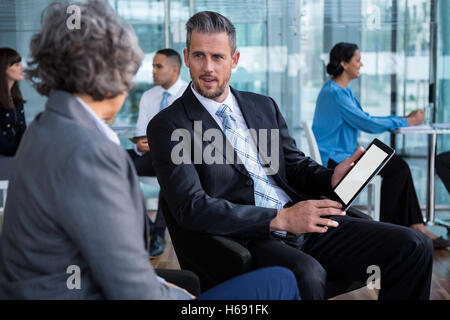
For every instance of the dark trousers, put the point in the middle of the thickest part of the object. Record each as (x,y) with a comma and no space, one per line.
(404,256)
(144,167)
(143,164)
(399,202)
(443,168)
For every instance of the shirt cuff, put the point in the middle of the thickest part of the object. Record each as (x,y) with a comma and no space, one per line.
(404,122)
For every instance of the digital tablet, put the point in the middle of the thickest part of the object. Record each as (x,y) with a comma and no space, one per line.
(368,165)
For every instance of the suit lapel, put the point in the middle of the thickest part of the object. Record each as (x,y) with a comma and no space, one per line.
(196,112)
(255,120)
(249,111)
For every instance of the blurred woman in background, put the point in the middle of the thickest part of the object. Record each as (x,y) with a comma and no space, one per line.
(339,118)
(12,117)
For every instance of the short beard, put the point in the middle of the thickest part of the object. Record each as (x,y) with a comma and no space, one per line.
(220,90)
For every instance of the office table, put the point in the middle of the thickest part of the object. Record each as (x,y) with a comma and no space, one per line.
(121,129)
(432,131)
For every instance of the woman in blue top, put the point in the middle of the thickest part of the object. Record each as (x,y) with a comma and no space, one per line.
(339,117)
(12,117)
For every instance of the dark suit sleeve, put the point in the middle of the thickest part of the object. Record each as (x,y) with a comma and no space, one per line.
(303,173)
(191,206)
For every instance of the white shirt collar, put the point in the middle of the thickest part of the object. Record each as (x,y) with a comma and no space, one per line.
(101,125)
(212,105)
(173,90)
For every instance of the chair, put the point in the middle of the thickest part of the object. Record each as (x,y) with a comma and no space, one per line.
(213,258)
(374,184)
(216,259)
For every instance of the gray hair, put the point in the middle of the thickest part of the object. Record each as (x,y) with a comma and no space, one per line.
(210,22)
(100,58)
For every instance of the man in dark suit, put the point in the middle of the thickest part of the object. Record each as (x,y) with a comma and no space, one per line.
(271,204)
(443,168)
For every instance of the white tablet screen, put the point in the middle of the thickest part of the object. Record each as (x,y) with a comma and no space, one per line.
(360,173)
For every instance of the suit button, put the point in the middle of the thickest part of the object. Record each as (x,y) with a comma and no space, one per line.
(249,182)
(7,114)
(4,133)
(8,125)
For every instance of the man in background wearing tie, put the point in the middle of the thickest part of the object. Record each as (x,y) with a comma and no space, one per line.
(168,87)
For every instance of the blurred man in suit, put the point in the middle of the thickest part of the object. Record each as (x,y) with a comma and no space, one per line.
(168,87)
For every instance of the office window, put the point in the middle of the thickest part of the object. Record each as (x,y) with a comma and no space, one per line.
(284,47)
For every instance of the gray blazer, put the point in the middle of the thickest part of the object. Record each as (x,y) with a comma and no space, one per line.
(74,200)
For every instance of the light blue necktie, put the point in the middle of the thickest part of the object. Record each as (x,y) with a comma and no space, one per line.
(164,101)
(264,191)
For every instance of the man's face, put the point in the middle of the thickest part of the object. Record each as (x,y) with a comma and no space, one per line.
(165,72)
(210,62)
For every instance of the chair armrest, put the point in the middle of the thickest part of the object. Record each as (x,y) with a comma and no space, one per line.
(223,256)
(237,253)
(213,258)
(352,212)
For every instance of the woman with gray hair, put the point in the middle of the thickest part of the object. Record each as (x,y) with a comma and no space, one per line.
(74,222)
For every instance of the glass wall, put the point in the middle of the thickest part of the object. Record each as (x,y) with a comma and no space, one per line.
(443,84)
(284,47)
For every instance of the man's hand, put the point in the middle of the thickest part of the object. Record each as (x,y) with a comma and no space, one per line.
(307,216)
(142,145)
(416,117)
(343,167)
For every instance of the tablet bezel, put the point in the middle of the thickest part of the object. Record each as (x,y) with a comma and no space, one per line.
(383,147)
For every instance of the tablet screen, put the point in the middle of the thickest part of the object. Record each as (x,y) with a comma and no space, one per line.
(360,173)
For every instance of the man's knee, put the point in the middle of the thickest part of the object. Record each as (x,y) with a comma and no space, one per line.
(442,161)
(311,278)
(415,243)
(402,165)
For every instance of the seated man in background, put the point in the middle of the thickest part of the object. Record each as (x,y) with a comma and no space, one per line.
(443,168)
(79,212)
(222,185)
(168,88)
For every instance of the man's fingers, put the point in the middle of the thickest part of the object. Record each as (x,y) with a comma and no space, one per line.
(330,212)
(326,203)
(358,153)
(319,229)
(327,222)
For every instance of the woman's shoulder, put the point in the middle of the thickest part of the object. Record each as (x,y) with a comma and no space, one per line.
(331,90)
(328,88)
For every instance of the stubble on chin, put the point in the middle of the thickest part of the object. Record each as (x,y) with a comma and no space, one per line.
(217,93)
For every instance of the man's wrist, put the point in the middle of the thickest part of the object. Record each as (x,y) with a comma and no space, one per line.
(277,223)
